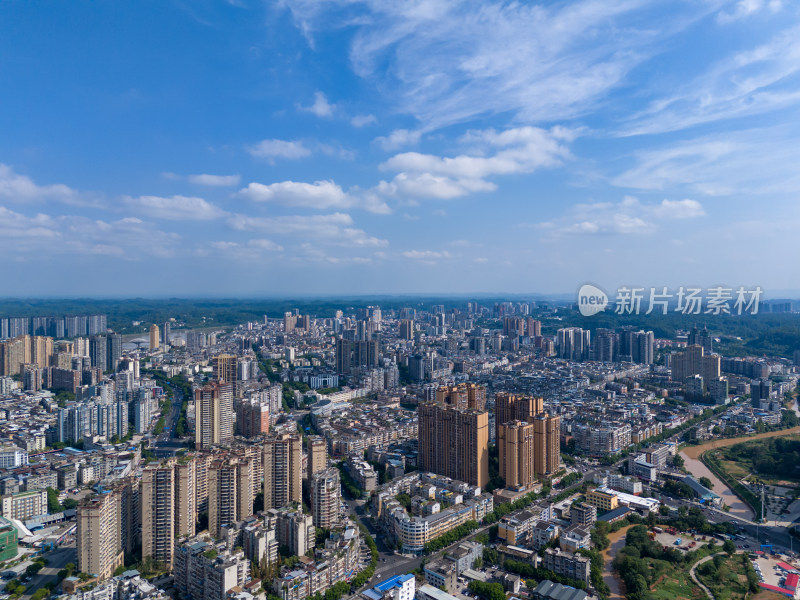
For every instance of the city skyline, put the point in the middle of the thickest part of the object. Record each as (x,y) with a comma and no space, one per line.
(297,148)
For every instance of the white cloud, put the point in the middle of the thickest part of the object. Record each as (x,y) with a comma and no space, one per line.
(519,150)
(449,62)
(335,228)
(747,8)
(363,120)
(250,250)
(751,82)
(679,209)
(398,138)
(175,208)
(758,162)
(321,107)
(627,217)
(45,236)
(271,149)
(214,180)
(426,254)
(21,188)
(320,195)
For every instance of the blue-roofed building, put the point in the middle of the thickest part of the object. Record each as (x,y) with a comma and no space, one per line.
(614,515)
(399,587)
(701,491)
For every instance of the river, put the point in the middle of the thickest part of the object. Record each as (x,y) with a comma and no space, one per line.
(693,464)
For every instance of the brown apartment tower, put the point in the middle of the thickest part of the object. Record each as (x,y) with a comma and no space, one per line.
(528,439)
(454,442)
(463,395)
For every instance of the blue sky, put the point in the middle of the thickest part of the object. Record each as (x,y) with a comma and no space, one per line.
(176,148)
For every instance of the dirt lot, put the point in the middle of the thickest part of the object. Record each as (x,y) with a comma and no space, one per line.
(667,539)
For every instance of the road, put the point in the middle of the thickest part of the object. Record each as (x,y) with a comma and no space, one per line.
(56,560)
(168,443)
(691,456)
(693,575)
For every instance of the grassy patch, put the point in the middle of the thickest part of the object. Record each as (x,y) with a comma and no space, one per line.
(728,578)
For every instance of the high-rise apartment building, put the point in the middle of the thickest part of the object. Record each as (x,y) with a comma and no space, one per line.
(113,351)
(98,352)
(454,442)
(168,506)
(515,448)
(97,535)
(230,492)
(325,497)
(573,343)
(701,337)
(317,454)
(406,329)
(694,361)
(24,350)
(157,502)
(353,354)
(547,444)
(533,327)
(224,368)
(252,417)
(463,395)
(514,407)
(213,414)
(155,337)
(282,460)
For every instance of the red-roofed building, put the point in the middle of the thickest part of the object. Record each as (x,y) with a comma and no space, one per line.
(779,590)
(787,567)
(792,580)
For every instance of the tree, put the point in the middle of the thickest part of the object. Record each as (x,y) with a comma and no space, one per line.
(53,504)
(706,482)
(677,460)
(729,547)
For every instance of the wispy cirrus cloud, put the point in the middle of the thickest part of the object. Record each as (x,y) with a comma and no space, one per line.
(214,180)
(628,217)
(335,228)
(449,62)
(271,149)
(43,236)
(750,82)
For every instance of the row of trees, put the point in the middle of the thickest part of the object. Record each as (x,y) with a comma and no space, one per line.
(451,536)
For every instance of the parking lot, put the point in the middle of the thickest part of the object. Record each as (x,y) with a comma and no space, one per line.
(767,566)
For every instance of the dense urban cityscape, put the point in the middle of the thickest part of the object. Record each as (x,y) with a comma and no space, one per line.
(432,450)
(416,300)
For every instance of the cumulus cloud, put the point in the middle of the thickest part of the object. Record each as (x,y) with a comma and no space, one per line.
(21,188)
(321,107)
(320,195)
(271,149)
(214,180)
(518,150)
(175,208)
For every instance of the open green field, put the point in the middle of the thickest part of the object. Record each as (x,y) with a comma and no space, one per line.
(672,584)
(728,577)
(772,460)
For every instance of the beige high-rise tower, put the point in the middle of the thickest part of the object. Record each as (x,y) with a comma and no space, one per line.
(282,470)
(512,407)
(454,442)
(213,405)
(98,538)
(547,444)
(515,449)
(317,455)
(155,337)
